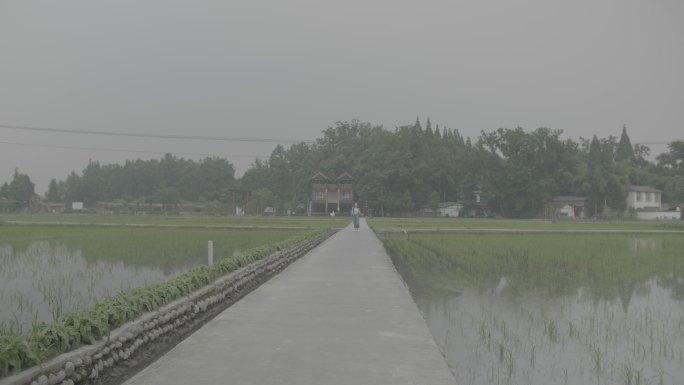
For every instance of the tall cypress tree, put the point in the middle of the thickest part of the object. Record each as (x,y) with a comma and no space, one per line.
(625,151)
(416,126)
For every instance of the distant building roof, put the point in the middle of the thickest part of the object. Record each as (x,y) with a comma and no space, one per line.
(569,198)
(322,178)
(643,189)
(345,176)
(443,205)
(319,176)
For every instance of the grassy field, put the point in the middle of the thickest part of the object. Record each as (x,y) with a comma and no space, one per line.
(185,220)
(422,224)
(378,224)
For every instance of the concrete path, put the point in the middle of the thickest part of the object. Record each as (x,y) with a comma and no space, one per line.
(339,315)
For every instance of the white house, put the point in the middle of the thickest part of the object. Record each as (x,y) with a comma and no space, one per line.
(644,198)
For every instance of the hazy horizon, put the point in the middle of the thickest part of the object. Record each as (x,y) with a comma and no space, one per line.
(289,70)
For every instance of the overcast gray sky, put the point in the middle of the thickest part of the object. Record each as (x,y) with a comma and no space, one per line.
(291,68)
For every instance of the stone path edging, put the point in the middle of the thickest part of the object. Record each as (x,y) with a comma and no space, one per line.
(90,361)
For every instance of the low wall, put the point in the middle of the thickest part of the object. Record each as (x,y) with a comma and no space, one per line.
(88,363)
(658,215)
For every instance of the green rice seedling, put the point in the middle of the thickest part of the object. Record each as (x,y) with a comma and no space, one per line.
(532,357)
(617,298)
(597,357)
(510,364)
(629,374)
(571,329)
(661,376)
(552,330)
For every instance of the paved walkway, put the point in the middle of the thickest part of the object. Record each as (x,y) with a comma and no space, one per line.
(339,315)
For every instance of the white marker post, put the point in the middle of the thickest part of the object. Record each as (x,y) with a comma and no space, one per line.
(210,252)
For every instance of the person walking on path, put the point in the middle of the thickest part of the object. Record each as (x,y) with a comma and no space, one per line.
(355,214)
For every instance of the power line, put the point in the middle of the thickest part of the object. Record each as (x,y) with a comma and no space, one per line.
(134,151)
(147,135)
(188,137)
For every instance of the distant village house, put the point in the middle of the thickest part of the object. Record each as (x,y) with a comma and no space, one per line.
(644,198)
(569,206)
(647,202)
(331,194)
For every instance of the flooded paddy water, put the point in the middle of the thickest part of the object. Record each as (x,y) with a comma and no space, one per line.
(49,271)
(550,308)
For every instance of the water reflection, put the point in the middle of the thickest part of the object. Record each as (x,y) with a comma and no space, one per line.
(610,320)
(45,281)
(648,245)
(46,272)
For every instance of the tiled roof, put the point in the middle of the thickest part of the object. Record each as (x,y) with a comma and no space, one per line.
(569,199)
(643,189)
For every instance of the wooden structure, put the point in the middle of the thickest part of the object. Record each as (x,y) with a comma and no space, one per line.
(331,194)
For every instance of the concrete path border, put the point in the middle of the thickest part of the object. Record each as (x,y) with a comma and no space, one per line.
(339,315)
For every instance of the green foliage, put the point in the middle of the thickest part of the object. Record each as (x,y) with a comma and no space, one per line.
(401,171)
(518,173)
(20,189)
(625,151)
(16,353)
(168,180)
(674,190)
(674,158)
(55,191)
(259,200)
(605,182)
(532,169)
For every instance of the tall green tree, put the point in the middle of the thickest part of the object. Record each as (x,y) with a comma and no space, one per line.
(529,168)
(259,200)
(674,190)
(55,192)
(214,177)
(607,182)
(20,189)
(625,151)
(673,159)
(73,188)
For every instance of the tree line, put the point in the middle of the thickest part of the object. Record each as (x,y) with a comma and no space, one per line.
(515,172)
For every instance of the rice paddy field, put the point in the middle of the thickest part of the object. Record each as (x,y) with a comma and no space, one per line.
(447,224)
(548,308)
(51,266)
